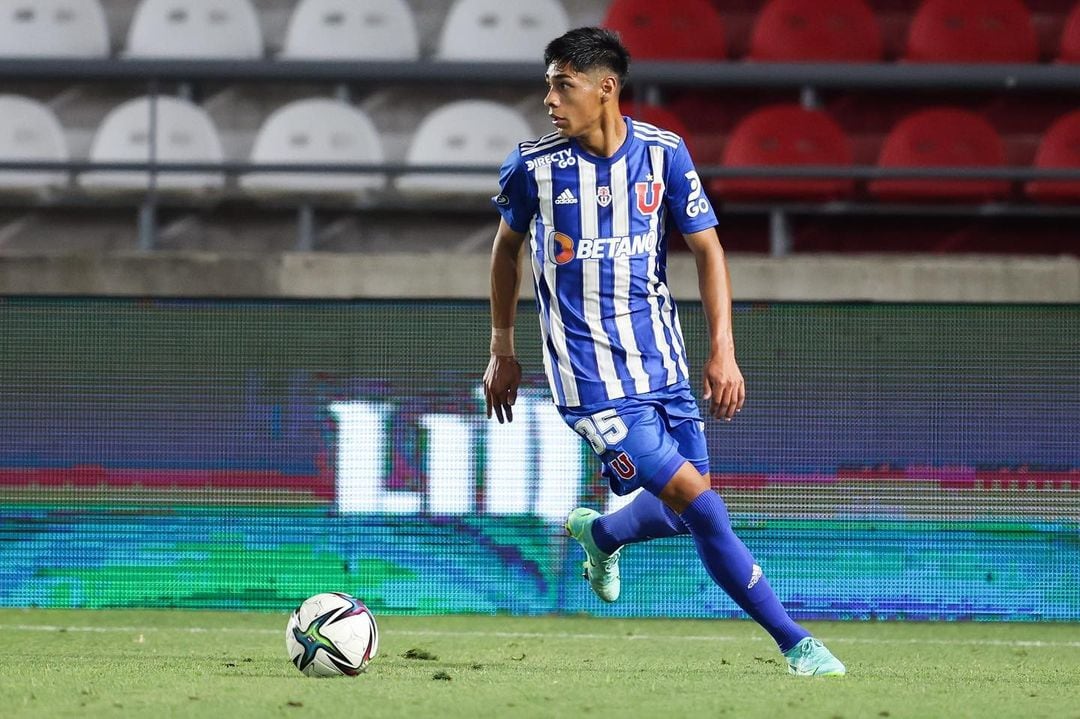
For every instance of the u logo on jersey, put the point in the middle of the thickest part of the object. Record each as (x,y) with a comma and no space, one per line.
(560,247)
(649,196)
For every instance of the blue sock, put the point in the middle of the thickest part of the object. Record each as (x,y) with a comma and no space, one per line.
(645,518)
(729,563)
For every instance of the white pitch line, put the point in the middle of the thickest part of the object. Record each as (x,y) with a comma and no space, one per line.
(1037,643)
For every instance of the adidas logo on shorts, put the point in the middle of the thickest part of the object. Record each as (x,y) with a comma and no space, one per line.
(566,198)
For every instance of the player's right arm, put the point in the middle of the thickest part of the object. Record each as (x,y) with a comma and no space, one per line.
(503,374)
(517,204)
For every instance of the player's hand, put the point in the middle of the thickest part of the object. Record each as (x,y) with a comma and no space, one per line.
(724,386)
(501,380)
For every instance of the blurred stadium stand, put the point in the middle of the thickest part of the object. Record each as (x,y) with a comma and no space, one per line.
(821,30)
(691,30)
(972,31)
(785,134)
(195,29)
(500,30)
(316,131)
(174,130)
(466,132)
(941,137)
(53,28)
(1059,148)
(342,30)
(309,123)
(31,132)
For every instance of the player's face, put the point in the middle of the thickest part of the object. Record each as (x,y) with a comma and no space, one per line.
(573,100)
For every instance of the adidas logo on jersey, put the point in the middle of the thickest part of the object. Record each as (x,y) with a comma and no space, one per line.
(566,198)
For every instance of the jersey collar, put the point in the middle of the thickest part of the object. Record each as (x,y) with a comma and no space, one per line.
(623,148)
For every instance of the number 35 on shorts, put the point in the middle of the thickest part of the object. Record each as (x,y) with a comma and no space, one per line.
(603,431)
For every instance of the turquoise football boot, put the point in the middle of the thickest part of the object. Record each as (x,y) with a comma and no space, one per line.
(601,569)
(810,658)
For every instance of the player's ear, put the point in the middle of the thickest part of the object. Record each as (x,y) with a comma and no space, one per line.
(609,87)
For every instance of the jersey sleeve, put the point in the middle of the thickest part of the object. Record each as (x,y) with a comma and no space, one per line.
(688,207)
(517,200)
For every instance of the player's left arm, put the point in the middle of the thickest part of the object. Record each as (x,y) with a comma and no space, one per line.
(724,386)
(693,215)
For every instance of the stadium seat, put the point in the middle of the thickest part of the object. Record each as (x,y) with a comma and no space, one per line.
(1070,38)
(29,131)
(352,30)
(785,135)
(816,30)
(1058,149)
(185,133)
(501,29)
(467,132)
(666,119)
(941,137)
(195,29)
(688,30)
(53,28)
(657,115)
(972,31)
(316,131)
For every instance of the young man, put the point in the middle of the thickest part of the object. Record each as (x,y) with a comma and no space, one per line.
(594,197)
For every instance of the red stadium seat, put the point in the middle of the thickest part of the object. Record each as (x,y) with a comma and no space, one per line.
(816,30)
(657,115)
(687,30)
(663,118)
(972,31)
(1060,149)
(785,135)
(941,137)
(1070,37)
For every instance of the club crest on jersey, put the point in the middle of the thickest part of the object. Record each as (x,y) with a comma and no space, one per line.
(649,196)
(603,195)
(560,247)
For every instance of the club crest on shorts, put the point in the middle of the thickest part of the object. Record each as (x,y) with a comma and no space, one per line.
(603,196)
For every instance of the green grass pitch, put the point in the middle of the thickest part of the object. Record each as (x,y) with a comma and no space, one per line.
(124,663)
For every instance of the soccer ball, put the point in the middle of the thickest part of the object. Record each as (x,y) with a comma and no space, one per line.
(330,635)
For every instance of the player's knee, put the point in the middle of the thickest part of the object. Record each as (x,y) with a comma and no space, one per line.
(685,486)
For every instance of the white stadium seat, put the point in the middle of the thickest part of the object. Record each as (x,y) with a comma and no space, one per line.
(467,132)
(501,29)
(185,133)
(316,131)
(195,29)
(53,28)
(352,30)
(29,130)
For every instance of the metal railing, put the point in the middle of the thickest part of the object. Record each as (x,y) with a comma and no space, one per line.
(744,75)
(771,172)
(779,212)
(650,76)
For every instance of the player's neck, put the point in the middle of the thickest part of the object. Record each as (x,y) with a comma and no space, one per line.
(606,138)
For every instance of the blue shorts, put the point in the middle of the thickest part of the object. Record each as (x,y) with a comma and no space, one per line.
(644,439)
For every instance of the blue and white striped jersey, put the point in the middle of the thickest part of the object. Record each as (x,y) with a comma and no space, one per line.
(597,225)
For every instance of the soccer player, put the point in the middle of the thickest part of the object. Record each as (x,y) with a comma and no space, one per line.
(594,197)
